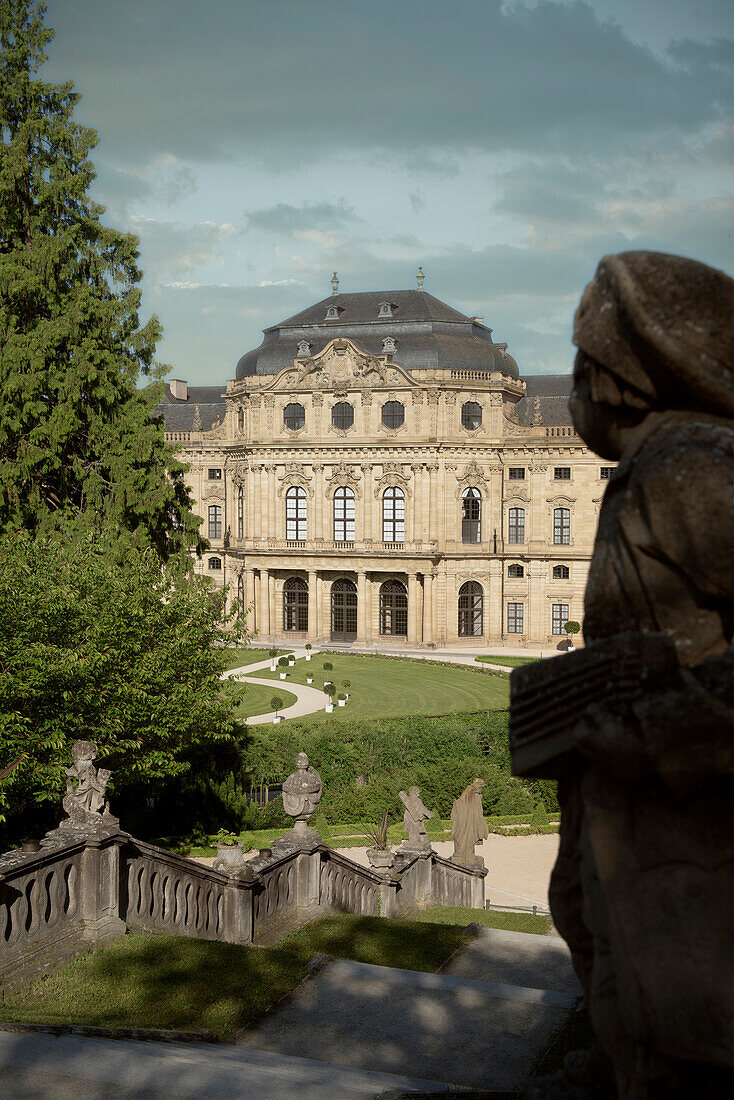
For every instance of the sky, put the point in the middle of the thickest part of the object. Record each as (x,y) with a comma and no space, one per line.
(255,146)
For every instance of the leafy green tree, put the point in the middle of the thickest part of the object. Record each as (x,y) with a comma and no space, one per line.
(77,444)
(127,655)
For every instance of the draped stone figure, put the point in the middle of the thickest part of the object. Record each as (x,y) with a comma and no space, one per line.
(642,888)
(413,818)
(468,825)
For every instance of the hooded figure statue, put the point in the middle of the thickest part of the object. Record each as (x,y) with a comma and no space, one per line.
(642,888)
(468,825)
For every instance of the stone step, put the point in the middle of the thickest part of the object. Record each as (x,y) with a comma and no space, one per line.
(71,1067)
(518,959)
(465,1031)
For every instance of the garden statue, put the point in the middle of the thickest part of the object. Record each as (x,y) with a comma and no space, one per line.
(301,795)
(468,825)
(642,888)
(413,818)
(85,803)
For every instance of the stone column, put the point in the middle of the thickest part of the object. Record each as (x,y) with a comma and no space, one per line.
(274,624)
(313,605)
(412,608)
(325,607)
(238,898)
(315,525)
(538,624)
(99,891)
(250,597)
(263,607)
(418,508)
(361,608)
(368,607)
(494,627)
(428,608)
(271,491)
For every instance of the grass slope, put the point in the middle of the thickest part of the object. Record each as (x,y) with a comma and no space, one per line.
(512,662)
(381,687)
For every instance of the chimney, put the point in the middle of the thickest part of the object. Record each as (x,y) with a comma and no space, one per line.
(179,389)
(477,320)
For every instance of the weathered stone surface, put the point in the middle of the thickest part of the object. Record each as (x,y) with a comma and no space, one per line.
(415,814)
(642,890)
(468,825)
(84,802)
(301,795)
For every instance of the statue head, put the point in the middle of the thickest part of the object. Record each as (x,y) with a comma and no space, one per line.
(654,332)
(83,752)
(414,791)
(301,761)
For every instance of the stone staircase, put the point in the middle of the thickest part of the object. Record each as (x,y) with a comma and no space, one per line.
(352,1030)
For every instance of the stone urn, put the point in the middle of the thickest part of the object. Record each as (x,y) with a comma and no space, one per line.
(380,858)
(301,795)
(229,857)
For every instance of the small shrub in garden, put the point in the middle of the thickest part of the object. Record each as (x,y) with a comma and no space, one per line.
(327,666)
(276,703)
(283,662)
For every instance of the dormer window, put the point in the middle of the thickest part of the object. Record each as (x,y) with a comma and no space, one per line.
(332,314)
(388,345)
(304,348)
(385,309)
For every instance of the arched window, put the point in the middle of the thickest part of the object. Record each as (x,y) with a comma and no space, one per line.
(516,525)
(294,416)
(471,515)
(515,571)
(471,415)
(471,610)
(393,414)
(393,608)
(561,573)
(343,610)
(295,604)
(240,419)
(240,513)
(215,563)
(561,526)
(342,415)
(241,594)
(295,513)
(393,515)
(344,514)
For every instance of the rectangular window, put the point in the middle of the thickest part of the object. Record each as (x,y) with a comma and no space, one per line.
(561,526)
(516,525)
(516,473)
(560,617)
(215,521)
(515,618)
(562,473)
(606,472)
(214,473)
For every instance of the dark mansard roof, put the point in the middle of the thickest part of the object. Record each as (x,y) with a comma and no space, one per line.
(427,332)
(179,415)
(553,391)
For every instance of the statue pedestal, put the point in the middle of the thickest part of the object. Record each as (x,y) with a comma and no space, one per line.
(299,838)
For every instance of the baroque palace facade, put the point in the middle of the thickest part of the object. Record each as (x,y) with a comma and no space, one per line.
(378,472)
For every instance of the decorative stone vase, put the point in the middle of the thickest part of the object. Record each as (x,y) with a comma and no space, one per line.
(380,858)
(329,708)
(282,675)
(229,857)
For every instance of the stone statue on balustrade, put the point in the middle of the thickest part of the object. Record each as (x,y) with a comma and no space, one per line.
(637,727)
(415,814)
(86,785)
(468,825)
(301,795)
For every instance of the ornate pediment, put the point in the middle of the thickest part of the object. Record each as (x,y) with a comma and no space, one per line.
(341,366)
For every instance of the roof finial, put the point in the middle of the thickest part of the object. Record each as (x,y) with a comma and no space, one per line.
(334,283)
(420,277)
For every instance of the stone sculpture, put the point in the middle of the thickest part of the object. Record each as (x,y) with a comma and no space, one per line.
(301,795)
(468,825)
(413,818)
(85,802)
(642,888)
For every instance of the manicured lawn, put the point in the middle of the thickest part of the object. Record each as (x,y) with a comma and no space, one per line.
(257,700)
(513,662)
(181,983)
(492,918)
(381,687)
(236,658)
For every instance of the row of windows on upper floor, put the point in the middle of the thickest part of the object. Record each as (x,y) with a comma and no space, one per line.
(342,415)
(514,571)
(514,473)
(393,517)
(393,608)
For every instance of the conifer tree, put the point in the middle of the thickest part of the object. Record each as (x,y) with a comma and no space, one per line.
(78,448)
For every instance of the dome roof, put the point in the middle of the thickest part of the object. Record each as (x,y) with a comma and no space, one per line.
(427,334)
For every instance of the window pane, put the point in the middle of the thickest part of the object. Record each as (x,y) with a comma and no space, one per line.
(562,473)
(215,474)
(561,526)
(517,473)
(393,414)
(471,610)
(471,415)
(342,415)
(561,573)
(215,521)
(294,416)
(295,514)
(606,472)
(560,617)
(516,525)
(515,618)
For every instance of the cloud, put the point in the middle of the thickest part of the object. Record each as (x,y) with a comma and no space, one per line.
(292,221)
(285,84)
(169,248)
(417,201)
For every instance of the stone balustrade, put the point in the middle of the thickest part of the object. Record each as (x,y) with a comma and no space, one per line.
(78,892)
